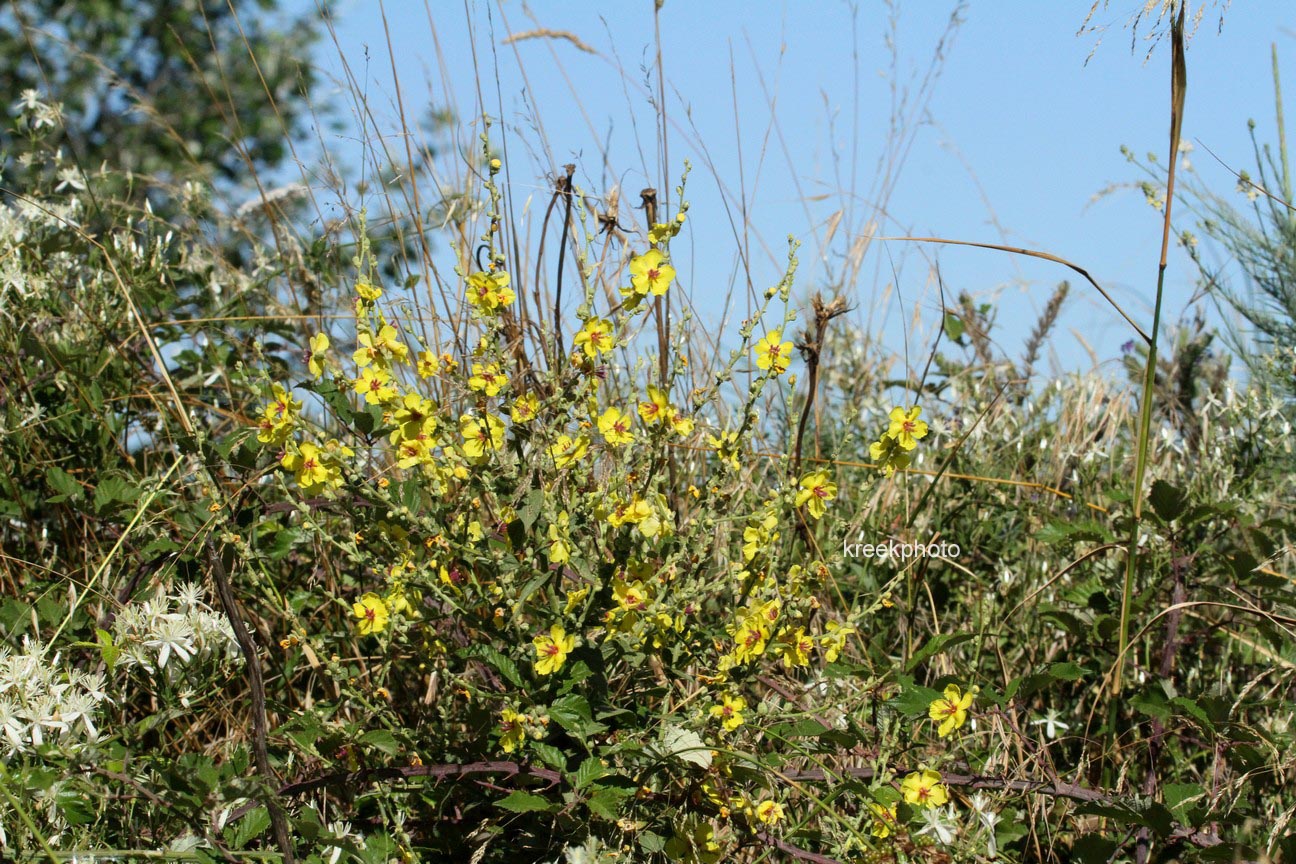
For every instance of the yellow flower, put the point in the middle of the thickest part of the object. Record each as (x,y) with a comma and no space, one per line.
(415,415)
(367,291)
(575,599)
(481,436)
(951,710)
(630,596)
(428,364)
(371,614)
(884,819)
(924,789)
(749,642)
(552,650)
(319,345)
(729,711)
(512,730)
(726,447)
(769,812)
(375,385)
(797,648)
(559,547)
(595,338)
(656,408)
(906,428)
(888,455)
(833,641)
(680,423)
(279,417)
(489,292)
(525,408)
(759,536)
(649,273)
(567,450)
(487,378)
(660,232)
(312,469)
(772,354)
(615,427)
(816,489)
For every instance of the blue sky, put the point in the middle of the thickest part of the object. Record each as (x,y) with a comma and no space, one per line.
(1013,142)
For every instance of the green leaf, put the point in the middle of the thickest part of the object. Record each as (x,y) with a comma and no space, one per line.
(1065,672)
(251,826)
(685,745)
(107,650)
(913,700)
(524,802)
(501,663)
(382,741)
(934,646)
(606,802)
(1192,709)
(114,493)
(549,754)
(530,510)
(1168,501)
(589,771)
(65,486)
(1179,795)
(572,712)
(954,327)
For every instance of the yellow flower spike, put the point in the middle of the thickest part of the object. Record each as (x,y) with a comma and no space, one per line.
(906,428)
(833,641)
(552,650)
(371,614)
(367,291)
(489,292)
(816,491)
(951,710)
(772,354)
(923,788)
(681,424)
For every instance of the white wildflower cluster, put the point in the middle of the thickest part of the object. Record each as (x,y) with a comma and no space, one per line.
(35,113)
(170,631)
(44,702)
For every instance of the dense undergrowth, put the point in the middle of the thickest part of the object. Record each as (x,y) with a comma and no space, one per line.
(436,572)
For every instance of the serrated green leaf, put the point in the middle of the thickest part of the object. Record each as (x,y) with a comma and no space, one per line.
(65,486)
(382,741)
(589,771)
(524,802)
(252,825)
(498,661)
(1168,502)
(549,754)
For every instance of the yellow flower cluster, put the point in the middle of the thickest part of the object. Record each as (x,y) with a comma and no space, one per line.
(279,417)
(892,452)
(489,293)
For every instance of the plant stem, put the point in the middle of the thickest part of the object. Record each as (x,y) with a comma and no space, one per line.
(1178,87)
